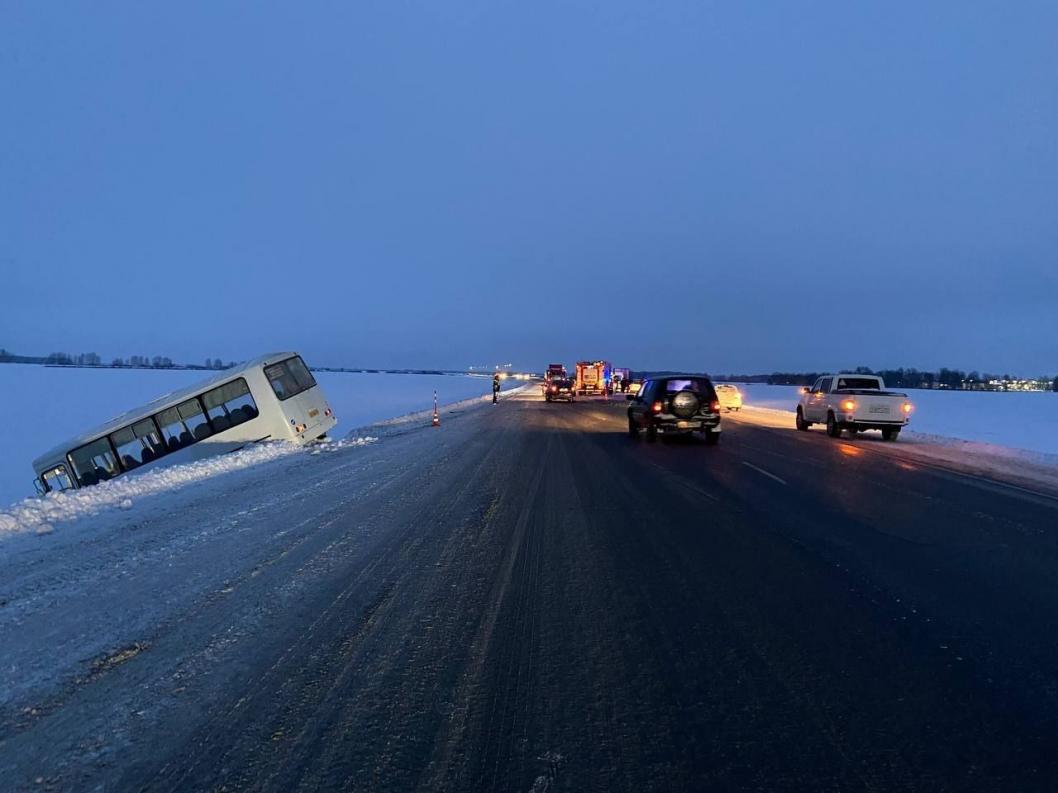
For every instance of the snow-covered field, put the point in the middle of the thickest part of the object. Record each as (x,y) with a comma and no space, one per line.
(1019,420)
(43,405)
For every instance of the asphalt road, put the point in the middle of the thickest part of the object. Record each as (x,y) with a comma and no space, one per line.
(527,600)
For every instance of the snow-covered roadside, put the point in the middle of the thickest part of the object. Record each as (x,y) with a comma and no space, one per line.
(38,515)
(1018,420)
(71,401)
(1025,467)
(424,416)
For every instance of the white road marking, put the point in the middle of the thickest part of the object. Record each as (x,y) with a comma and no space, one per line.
(766,473)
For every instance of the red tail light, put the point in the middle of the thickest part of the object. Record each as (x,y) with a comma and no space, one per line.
(657,407)
(714,406)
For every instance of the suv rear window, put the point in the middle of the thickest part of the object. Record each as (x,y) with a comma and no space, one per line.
(699,386)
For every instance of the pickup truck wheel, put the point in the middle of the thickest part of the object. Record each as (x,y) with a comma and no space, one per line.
(833,428)
(652,433)
(802,425)
(890,434)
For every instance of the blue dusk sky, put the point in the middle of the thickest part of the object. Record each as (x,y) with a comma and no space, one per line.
(727,186)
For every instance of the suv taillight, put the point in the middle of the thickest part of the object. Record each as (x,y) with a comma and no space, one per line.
(657,407)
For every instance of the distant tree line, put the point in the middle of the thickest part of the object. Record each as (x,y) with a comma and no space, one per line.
(93,359)
(955,379)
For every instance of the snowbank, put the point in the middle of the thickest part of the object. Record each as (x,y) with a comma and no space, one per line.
(1020,420)
(424,416)
(38,515)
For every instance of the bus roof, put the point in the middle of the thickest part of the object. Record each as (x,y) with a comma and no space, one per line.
(58,452)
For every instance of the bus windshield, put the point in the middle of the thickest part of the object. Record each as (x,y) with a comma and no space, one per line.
(289,378)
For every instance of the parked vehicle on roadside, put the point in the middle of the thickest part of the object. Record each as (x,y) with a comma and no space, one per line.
(853,402)
(730,397)
(679,404)
(271,397)
(559,390)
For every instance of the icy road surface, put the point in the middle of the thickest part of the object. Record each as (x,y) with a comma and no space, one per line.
(527,600)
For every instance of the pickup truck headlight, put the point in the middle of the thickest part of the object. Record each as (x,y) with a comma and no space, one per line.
(907,407)
(848,405)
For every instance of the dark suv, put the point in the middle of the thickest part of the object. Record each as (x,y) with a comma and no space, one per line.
(559,389)
(675,404)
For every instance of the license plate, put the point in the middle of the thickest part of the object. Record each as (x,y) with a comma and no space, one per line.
(686,425)
(313,413)
(879,408)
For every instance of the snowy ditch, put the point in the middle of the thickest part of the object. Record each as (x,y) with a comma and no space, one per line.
(37,515)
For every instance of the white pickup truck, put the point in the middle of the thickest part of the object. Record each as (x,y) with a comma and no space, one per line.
(853,402)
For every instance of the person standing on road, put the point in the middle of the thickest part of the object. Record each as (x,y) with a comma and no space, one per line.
(495,388)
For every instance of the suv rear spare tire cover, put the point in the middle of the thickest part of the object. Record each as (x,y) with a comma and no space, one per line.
(685,404)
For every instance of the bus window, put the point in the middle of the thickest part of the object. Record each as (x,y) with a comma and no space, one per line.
(58,478)
(230,404)
(139,444)
(301,373)
(289,377)
(94,462)
(183,425)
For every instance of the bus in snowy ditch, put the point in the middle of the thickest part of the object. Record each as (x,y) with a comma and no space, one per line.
(274,397)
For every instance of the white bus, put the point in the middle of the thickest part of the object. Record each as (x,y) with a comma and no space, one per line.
(271,397)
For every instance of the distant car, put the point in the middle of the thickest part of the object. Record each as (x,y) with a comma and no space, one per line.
(730,397)
(560,389)
(672,405)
